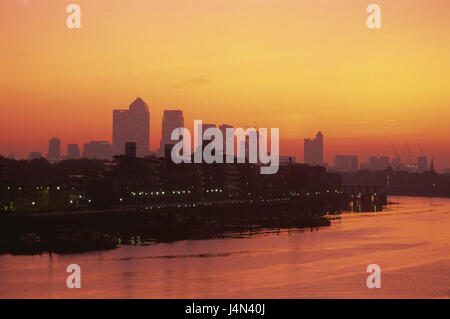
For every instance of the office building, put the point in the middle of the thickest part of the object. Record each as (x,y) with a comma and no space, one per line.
(172,119)
(313,150)
(54,149)
(130,149)
(98,150)
(132,125)
(346,163)
(73,151)
(223,129)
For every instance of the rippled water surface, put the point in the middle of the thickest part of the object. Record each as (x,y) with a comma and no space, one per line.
(409,240)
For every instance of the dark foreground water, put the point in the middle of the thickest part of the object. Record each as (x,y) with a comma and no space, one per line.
(409,240)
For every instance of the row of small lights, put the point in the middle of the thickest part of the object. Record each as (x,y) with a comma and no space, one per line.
(173,192)
(71,202)
(209,204)
(37,188)
(179,192)
(158,193)
(194,205)
(184,192)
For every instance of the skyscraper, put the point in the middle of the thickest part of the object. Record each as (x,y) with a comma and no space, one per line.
(54,149)
(223,129)
(73,151)
(171,120)
(98,150)
(132,125)
(130,149)
(202,128)
(346,163)
(313,150)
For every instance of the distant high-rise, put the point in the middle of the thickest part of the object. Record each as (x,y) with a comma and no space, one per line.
(171,120)
(98,150)
(248,141)
(373,163)
(363,166)
(223,129)
(132,125)
(378,163)
(346,163)
(422,164)
(73,151)
(12,156)
(202,128)
(54,149)
(383,162)
(34,155)
(313,150)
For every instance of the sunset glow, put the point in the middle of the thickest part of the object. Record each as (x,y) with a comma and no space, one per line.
(301,66)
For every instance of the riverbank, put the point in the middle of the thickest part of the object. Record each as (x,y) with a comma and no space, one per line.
(78,231)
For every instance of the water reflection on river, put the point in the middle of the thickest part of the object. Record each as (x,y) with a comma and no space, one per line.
(410,240)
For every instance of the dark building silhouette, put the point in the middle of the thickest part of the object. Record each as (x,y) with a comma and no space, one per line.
(130,149)
(401,182)
(287,160)
(248,142)
(223,129)
(364,166)
(98,150)
(346,163)
(171,120)
(132,125)
(73,151)
(34,155)
(383,162)
(203,127)
(378,163)
(313,150)
(54,149)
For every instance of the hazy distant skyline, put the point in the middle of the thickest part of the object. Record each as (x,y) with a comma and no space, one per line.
(302,66)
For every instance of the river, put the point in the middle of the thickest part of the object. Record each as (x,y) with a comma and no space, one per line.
(409,240)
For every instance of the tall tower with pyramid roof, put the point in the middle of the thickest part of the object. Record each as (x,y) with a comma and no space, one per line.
(132,125)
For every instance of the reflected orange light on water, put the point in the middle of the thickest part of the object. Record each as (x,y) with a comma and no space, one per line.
(409,240)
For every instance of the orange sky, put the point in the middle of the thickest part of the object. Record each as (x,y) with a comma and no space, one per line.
(300,65)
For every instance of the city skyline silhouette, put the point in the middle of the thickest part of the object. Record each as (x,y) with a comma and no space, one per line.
(301,68)
(124,121)
(322,169)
